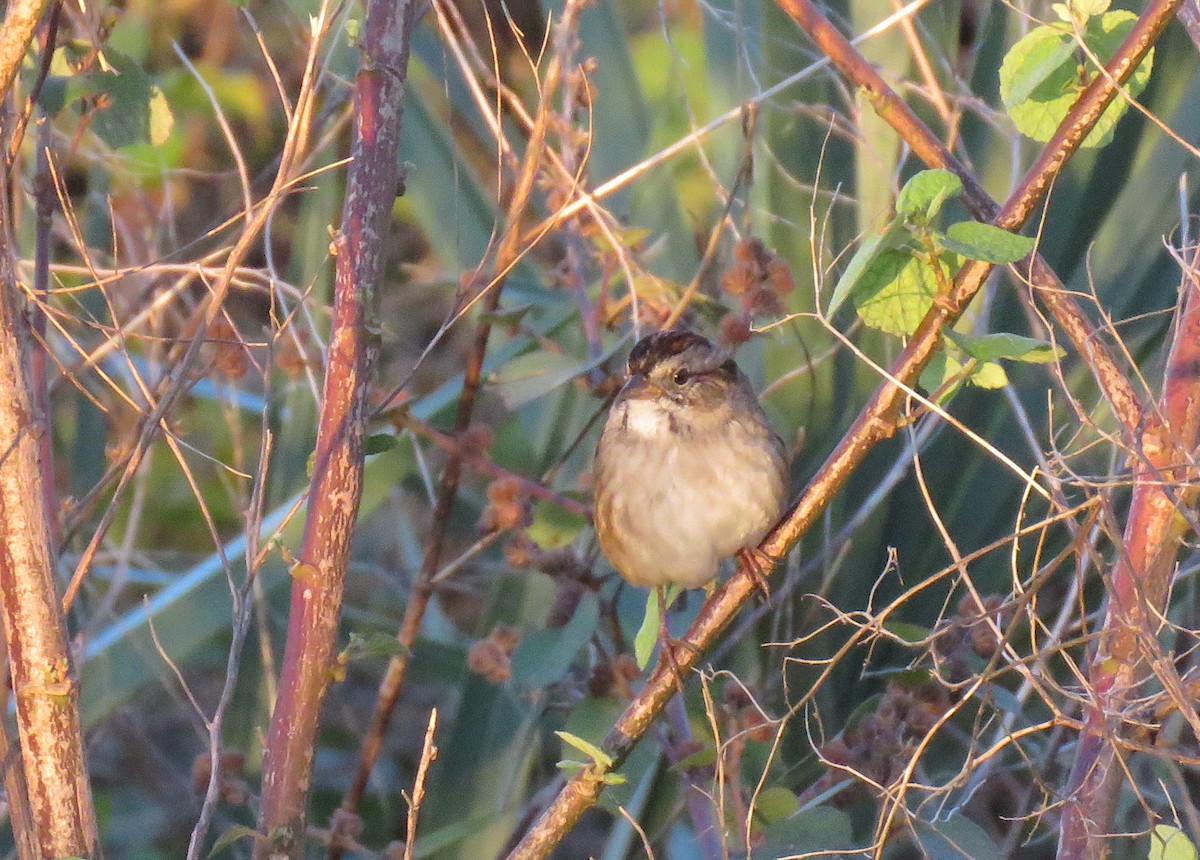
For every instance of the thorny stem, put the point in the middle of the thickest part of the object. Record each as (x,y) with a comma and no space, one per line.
(877,421)
(510,248)
(336,487)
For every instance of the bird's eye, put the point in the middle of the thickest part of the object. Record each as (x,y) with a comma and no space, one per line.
(681,376)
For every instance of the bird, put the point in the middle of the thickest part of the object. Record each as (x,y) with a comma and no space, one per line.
(688,469)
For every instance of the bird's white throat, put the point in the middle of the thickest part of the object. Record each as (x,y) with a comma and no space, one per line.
(646,419)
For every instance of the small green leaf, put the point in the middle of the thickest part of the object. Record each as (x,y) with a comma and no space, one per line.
(989,375)
(986,242)
(922,197)
(704,756)
(509,315)
(134,109)
(378,443)
(613,779)
(1080,10)
(647,635)
(553,527)
(868,250)
(1013,347)
(232,835)
(1170,843)
(775,804)
(942,369)
(910,634)
(597,755)
(373,644)
(652,624)
(897,291)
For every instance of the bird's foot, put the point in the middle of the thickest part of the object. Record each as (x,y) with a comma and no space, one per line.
(759,565)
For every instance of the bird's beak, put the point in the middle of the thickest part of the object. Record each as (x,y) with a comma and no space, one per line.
(637,387)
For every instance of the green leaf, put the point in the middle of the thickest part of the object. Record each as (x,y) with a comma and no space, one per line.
(1080,10)
(508,316)
(813,832)
(986,242)
(597,755)
(989,375)
(897,291)
(134,110)
(942,368)
(232,835)
(910,634)
(775,804)
(922,197)
(647,635)
(373,644)
(1042,58)
(957,838)
(545,656)
(702,757)
(553,527)
(866,254)
(1013,347)
(378,443)
(1170,843)
(1038,96)
(535,374)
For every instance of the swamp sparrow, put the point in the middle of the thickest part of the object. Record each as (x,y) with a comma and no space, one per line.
(688,470)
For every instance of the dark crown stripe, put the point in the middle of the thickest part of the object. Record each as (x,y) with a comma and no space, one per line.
(653,348)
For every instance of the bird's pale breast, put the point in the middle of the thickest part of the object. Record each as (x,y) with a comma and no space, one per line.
(673,501)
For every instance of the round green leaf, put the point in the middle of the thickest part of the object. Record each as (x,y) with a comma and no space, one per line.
(896,292)
(1039,93)
(775,804)
(1170,843)
(942,368)
(923,195)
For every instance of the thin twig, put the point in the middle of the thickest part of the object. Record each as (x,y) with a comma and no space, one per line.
(428,754)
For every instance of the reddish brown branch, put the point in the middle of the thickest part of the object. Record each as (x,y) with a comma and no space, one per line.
(43,680)
(509,250)
(1164,483)
(335,491)
(876,422)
